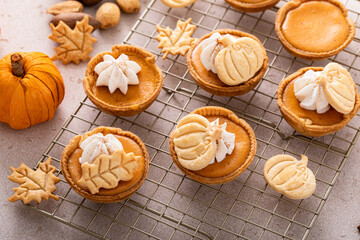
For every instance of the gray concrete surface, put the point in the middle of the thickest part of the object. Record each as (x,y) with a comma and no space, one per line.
(24,27)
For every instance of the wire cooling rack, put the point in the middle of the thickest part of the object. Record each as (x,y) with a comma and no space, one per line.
(169,205)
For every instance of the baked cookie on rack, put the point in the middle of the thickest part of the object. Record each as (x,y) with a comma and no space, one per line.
(212,145)
(252,5)
(123,82)
(313,29)
(318,101)
(105,165)
(227,62)
(286,175)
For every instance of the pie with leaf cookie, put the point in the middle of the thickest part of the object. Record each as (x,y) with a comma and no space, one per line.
(227,62)
(318,101)
(212,145)
(123,82)
(106,164)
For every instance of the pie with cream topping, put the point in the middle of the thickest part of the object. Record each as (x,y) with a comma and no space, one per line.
(318,101)
(212,145)
(106,164)
(123,82)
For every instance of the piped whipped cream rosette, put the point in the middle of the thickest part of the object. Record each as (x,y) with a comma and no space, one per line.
(117,73)
(199,142)
(234,60)
(331,87)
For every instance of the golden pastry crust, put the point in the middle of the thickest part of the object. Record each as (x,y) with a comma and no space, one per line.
(104,195)
(218,111)
(123,108)
(288,176)
(303,126)
(222,90)
(311,55)
(252,6)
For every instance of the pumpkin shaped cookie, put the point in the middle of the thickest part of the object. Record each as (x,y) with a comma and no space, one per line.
(31,89)
(227,62)
(106,164)
(317,101)
(212,145)
(289,176)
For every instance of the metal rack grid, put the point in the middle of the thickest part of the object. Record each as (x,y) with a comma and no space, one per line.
(169,205)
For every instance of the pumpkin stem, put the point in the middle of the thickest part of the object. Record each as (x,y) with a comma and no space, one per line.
(17,68)
(304,159)
(226,41)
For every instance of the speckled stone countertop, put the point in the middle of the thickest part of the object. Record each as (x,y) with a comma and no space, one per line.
(24,27)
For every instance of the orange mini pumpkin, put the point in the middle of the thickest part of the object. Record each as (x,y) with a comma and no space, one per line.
(31,88)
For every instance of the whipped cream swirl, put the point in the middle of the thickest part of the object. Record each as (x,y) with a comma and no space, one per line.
(210,48)
(98,144)
(117,73)
(310,93)
(225,144)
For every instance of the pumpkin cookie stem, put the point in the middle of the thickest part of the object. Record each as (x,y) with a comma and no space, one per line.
(17,68)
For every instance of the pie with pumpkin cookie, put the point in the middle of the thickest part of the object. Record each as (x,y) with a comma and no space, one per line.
(212,145)
(317,101)
(314,29)
(105,165)
(123,82)
(252,5)
(227,62)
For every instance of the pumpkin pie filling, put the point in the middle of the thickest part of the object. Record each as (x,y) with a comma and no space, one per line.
(325,119)
(136,93)
(129,145)
(236,158)
(316,26)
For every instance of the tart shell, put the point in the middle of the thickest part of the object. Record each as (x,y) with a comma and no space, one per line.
(300,124)
(99,197)
(218,111)
(228,91)
(280,19)
(126,110)
(252,7)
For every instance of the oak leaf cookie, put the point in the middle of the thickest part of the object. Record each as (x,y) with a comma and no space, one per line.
(107,170)
(289,176)
(75,44)
(34,185)
(176,41)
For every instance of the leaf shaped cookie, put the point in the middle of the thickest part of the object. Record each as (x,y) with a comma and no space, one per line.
(339,87)
(177,3)
(239,60)
(34,185)
(107,170)
(289,176)
(75,45)
(177,41)
(194,141)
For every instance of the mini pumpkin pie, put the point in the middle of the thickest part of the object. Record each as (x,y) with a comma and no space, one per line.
(123,82)
(106,164)
(317,101)
(212,145)
(252,5)
(227,62)
(314,29)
